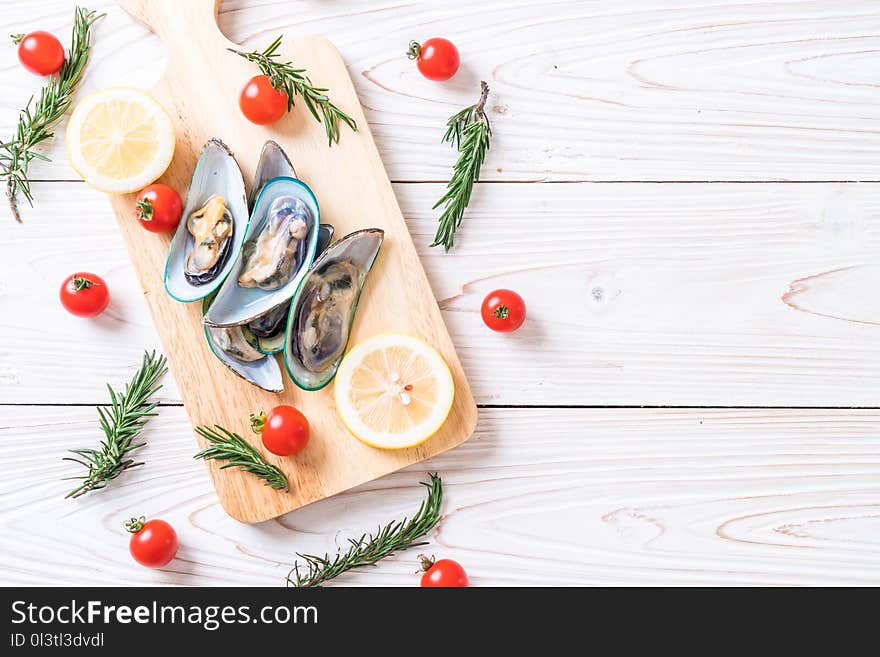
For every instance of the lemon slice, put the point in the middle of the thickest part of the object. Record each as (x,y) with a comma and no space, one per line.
(120,140)
(393,391)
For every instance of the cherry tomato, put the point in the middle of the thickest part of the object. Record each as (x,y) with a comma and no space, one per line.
(260,102)
(285,430)
(41,53)
(442,573)
(84,295)
(153,543)
(436,58)
(159,208)
(503,310)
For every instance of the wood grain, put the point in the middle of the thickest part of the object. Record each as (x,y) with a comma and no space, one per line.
(638,294)
(396,296)
(536,497)
(667,294)
(582,90)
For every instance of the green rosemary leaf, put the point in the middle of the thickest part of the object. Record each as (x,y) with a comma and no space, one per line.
(369,549)
(35,123)
(229,446)
(468,131)
(121,422)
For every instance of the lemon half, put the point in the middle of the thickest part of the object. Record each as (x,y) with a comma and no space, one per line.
(120,140)
(393,391)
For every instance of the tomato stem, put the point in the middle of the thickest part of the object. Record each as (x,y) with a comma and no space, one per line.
(136,524)
(426,562)
(258,421)
(16,38)
(145,210)
(81,283)
(414,50)
(501,312)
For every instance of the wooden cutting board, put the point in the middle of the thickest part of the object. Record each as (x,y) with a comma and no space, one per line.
(200,90)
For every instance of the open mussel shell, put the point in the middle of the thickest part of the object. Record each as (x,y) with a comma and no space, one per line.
(269,328)
(322,311)
(216,175)
(273,163)
(236,304)
(261,370)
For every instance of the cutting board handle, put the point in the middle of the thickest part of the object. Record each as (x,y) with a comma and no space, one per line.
(178,22)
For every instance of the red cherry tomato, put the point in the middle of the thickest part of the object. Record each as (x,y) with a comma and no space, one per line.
(260,102)
(84,295)
(503,310)
(159,208)
(153,543)
(436,58)
(442,573)
(285,430)
(41,53)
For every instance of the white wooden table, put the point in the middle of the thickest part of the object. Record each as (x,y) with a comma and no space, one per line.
(686,193)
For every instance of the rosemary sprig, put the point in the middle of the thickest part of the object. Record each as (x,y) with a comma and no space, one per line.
(284,77)
(229,446)
(469,131)
(369,549)
(128,413)
(35,123)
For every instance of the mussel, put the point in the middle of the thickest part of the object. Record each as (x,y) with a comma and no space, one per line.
(268,329)
(208,241)
(212,229)
(233,341)
(271,258)
(236,347)
(325,313)
(322,311)
(280,245)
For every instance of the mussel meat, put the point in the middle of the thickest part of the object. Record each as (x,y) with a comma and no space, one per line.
(322,324)
(272,258)
(233,341)
(270,323)
(212,230)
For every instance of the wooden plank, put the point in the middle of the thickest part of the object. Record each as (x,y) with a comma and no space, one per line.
(582,90)
(354,193)
(638,294)
(537,497)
